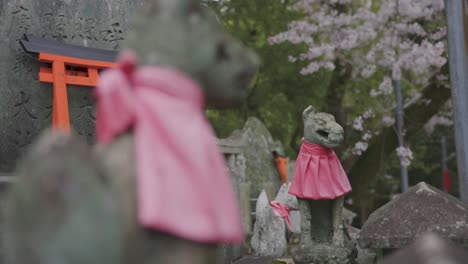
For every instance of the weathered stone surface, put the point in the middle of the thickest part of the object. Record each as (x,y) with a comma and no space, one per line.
(365,256)
(70,202)
(232,148)
(429,249)
(231,145)
(255,260)
(296,221)
(269,235)
(270,189)
(326,254)
(258,144)
(71,207)
(244,204)
(25,102)
(283,261)
(321,128)
(349,216)
(291,168)
(421,209)
(295,215)
(287,199)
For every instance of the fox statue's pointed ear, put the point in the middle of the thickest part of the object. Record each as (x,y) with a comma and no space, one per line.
(309,110)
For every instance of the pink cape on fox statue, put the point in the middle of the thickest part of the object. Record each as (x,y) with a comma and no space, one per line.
(318,174)
(183,184)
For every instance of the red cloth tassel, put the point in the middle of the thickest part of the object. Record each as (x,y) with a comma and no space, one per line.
(447,182)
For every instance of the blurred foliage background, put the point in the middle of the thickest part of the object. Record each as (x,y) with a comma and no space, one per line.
(279,94)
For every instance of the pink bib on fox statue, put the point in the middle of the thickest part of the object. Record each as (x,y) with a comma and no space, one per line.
(318,174)
(180,171)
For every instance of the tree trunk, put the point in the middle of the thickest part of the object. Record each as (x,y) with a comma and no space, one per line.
(335,94)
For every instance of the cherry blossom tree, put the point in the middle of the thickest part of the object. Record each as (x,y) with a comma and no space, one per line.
(393,39)
(351,52)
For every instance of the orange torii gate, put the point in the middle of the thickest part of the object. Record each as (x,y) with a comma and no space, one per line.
(68,65)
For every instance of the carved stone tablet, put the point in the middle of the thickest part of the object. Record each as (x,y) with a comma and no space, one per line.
(25,103)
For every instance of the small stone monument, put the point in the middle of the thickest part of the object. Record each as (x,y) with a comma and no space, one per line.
(260,169)
(423,208)
(232,148)
(269,236)
(274,223)
(319,184)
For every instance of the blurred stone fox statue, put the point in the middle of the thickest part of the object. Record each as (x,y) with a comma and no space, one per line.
(155,190)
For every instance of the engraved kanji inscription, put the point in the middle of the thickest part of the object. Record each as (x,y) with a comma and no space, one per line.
(86,29)
(21,22)
(113,35)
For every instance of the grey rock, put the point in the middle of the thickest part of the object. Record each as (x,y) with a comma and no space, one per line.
(422,209)
(68,197)
(260,169)
(349,216)
(295,221)
(325,254)
(429,249)
(25,102)
(365,256)
(245,207)
(287,199)
(255,260)
(269,235)
(79,207)
(231,145)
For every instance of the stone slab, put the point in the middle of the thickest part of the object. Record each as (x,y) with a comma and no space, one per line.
(269,234)
(25,103)
(260,168)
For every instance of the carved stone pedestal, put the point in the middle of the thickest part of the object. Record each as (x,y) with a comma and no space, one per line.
(326,254)
(324,238)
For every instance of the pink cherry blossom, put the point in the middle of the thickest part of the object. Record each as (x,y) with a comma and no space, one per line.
(392,39)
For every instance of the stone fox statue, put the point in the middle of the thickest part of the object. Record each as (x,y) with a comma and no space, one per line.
(319,184)
(155,189)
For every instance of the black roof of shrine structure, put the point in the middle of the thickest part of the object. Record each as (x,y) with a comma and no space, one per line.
(35,45)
